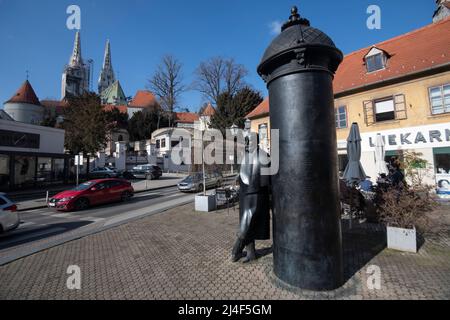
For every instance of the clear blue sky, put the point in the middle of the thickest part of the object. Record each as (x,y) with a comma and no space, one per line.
(34,37)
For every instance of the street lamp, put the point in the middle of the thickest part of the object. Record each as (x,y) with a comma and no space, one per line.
(202,128)
(264,137)
(234,132)
(248,125)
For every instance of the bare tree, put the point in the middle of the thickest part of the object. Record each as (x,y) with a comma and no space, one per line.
(219,75)
(167,84)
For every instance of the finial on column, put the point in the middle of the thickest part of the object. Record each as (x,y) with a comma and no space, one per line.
(294,14)
(295,19)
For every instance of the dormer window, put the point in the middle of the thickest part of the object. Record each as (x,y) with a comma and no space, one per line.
(375,60)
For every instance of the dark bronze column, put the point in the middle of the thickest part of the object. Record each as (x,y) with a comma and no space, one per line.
(298,68)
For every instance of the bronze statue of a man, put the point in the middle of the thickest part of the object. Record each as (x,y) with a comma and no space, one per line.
(254,201)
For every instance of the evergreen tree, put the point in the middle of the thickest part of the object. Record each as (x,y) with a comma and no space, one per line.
(143,123)
(232,109)
(85,124)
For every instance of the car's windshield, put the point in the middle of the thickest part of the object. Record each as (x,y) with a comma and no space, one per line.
(191,178)
(83,186)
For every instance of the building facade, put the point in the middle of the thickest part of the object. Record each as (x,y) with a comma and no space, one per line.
(31,156)
(399,88)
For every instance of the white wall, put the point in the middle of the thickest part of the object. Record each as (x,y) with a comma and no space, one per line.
(24,112)
(51,139)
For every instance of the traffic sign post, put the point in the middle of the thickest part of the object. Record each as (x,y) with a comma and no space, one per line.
(78,161)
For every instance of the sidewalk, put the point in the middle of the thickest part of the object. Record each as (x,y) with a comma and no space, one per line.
(166,181)
(183,254)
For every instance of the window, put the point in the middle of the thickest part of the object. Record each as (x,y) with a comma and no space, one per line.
(158,144)
(4,172)
(375,63)
(440,99)
(385,109)
(376,60)
(341,117)
(163,143)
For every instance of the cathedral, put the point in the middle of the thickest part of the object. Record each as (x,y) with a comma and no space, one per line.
(77,77)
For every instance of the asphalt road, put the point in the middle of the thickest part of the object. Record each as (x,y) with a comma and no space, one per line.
(44,228)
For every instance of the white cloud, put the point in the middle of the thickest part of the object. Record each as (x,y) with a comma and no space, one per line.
(275,27)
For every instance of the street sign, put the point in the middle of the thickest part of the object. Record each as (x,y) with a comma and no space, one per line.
(79,160)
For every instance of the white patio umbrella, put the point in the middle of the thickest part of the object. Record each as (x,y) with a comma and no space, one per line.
(380,154)
(354,172)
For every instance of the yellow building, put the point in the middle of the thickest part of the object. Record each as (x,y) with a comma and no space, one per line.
(399,88)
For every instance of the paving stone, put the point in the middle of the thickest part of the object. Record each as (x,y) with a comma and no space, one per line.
(181,254)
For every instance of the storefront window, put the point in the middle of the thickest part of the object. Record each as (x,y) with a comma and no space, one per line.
(58,170)
(442,165)
(342,162)
(44,170)
(4,172)
(24,171)
(442,160)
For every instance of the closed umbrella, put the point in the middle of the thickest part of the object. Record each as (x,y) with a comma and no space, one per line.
(380,155)
(354,172)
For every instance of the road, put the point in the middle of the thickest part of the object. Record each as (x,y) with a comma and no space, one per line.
(44,228)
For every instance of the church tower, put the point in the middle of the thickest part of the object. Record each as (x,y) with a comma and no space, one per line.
(107,77)
(76,75)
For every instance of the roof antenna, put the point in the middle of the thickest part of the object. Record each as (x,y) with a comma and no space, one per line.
(28,74)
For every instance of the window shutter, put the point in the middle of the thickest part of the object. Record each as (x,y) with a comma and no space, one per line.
(400,107)
(369,114)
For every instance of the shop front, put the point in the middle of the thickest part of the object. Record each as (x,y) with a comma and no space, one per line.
(31,156)
(431,142)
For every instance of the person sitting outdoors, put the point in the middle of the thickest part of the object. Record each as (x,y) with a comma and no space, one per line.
(366,185)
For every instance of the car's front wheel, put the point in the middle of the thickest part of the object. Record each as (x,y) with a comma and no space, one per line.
(200,188)
(81,204)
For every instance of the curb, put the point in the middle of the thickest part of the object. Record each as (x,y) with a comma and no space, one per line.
(139,191)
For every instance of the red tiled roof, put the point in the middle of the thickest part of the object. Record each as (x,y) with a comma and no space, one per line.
(413,52)
(143,99)
(186,117)
(261,110)
(54,103)
(209,111)
(110,107)
(25,94)
(409,53)
(57,105)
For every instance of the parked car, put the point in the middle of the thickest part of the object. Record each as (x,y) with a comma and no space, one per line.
(147,171)
(92,193)
(194,182)
(9,218)
(98,173)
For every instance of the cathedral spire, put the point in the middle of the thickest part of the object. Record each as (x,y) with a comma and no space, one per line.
(107,58)
(75,59)
(107,76)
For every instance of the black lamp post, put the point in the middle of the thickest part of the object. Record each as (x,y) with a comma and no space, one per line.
(298,68)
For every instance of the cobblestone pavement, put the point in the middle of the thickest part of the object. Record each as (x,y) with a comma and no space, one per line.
(180,254)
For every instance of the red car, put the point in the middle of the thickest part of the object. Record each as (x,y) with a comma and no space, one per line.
(92,193)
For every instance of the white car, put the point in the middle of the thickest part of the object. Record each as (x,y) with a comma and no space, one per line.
(9,218)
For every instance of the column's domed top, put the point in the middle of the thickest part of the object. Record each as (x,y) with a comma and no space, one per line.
(297,34)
